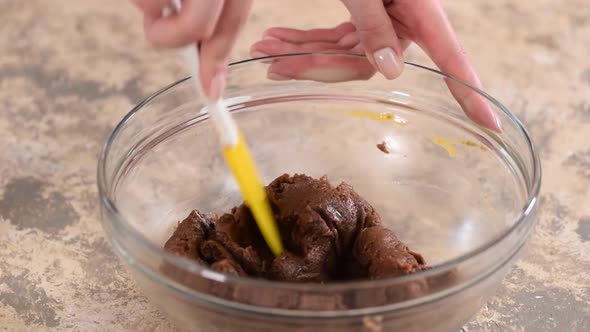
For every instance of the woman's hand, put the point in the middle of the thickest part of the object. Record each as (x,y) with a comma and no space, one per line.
(212,24)
(382,30)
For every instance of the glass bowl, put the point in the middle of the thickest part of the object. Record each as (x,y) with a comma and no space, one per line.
(463,196)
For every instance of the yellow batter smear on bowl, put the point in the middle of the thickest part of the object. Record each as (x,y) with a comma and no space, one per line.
(449,144)
(486,200)
(445,144)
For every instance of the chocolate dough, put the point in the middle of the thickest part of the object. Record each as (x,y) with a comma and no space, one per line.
(328,233)
(383,147)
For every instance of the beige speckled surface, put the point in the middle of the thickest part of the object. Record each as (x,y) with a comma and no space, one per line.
(70,70)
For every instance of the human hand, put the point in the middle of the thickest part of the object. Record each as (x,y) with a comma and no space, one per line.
(382,30)
(212,24)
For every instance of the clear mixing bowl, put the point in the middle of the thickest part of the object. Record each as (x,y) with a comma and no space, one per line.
(462,196)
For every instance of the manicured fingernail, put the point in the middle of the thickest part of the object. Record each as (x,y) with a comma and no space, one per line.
(498,127)
(217,85)
(480,111)
(258,54)
(278,77)
(389,64)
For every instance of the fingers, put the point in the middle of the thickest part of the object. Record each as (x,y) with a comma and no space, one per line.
(196,21)
(296,36)
(436,36)
(377,35)
(212,24)
(216,50)
(318,68)
(321,68)
(286,40)
(267,47)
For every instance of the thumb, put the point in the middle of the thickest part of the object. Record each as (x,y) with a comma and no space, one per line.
(377,35)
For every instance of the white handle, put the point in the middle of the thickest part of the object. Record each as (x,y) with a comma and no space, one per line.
(225,124)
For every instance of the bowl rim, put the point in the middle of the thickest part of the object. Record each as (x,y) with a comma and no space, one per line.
(207,273)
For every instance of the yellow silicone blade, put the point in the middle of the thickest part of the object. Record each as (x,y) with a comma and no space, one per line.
(242,166)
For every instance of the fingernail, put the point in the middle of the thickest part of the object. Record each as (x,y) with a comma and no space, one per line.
(388,63)
(498,128)
(278,77)
(217,85)
(480,111)
(258,54)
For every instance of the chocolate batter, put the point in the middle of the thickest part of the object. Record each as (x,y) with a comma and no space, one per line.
(328,233)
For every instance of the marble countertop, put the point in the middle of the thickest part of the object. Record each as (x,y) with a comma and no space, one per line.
(70,70)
